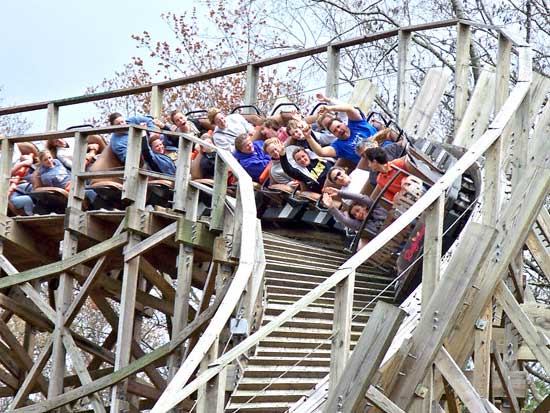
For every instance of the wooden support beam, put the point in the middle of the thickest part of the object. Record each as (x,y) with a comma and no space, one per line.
(55,268)
(504,375)
(539,252)
(433,242)
(460,384)
(156,101)
(366,358)
(380,400)
(195,234)
(464,36)
(151,241)
(52,117)
(536,340)
(211,396)
(333,70)
(482,352)
(131,369)
(450,397)
(363,95)
(420,115)
(183,176)
(341,329)
(441,312)
(544,222)
(5,172)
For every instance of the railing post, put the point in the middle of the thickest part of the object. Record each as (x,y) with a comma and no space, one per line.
(463,41)
(333,68)
(183,175)
(5,172)
(218,197)
(52,119)
(403,76)
(341,329)
(156,101)
(251,91)
(133,188)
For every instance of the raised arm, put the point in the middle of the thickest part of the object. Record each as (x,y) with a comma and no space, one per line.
(352,112)
(326,151)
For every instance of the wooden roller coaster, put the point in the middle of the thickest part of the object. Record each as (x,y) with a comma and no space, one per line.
(264,320)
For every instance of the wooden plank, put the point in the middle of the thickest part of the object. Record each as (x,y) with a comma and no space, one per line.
(502,71)
(363,95)
(5,172)
(81,370)
(504,375)
(151,241)
(366,358)
(156,101)
(433,243)
(460,384)
(425,105)
(211,396)
(32,376)
(539,252)
(441,312)
(482,352)
(462,65)
(404,75)
(380,400)
(333,70)
(537,341)
(452,402)
(218,197)
(119,401)
(544,222)
(341,329)
(133,368)
(183,175)
(251,89)
(65,265)
(476,117)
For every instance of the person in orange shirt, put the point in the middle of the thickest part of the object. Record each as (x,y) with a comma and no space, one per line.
(377,161)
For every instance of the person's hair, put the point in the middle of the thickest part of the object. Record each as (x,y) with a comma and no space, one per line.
(292,124)
(363,145)
(174,113)
(43,153)
(154,137)
(376,154)
(212,114)
(271,124)
(331,121)
(240,140)
(270,141)
(297,150)
(113,116)
(321,118)
(355,204)
(381,136)
(333,169)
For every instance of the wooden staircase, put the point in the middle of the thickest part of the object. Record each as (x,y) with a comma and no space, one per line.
(291,361)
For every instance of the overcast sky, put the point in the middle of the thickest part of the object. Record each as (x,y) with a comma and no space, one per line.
(55,49)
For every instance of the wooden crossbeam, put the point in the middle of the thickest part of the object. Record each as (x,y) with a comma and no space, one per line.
(460,384)
(381,401)
(504,375)
(131,369)
(366,358)
(55,268)
(151,241)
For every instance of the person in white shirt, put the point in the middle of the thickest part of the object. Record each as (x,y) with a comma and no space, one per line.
(228,128)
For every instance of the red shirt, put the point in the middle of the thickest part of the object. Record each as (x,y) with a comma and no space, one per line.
(384,178)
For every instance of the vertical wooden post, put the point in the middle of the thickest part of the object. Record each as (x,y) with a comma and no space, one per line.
(341,329)
(461,73)
(333,68)
(133,181)
(183,174)
(403,75)
(482,352)
(521,146)
(156,102)
(218,197)
(211,396)
(52,119)
(5,172)
(433,240)
(251,91)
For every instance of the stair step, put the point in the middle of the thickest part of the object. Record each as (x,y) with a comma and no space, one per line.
(296,342)
(322,301)
(289,361)
(318,333)
(299,322)
(359,294)
(286,371)
(243,396)
(313,311)
(280,407)
(312,281)
(291,352)
(282,383)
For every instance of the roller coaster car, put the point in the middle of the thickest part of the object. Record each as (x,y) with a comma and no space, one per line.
(49,199)
(160,192)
